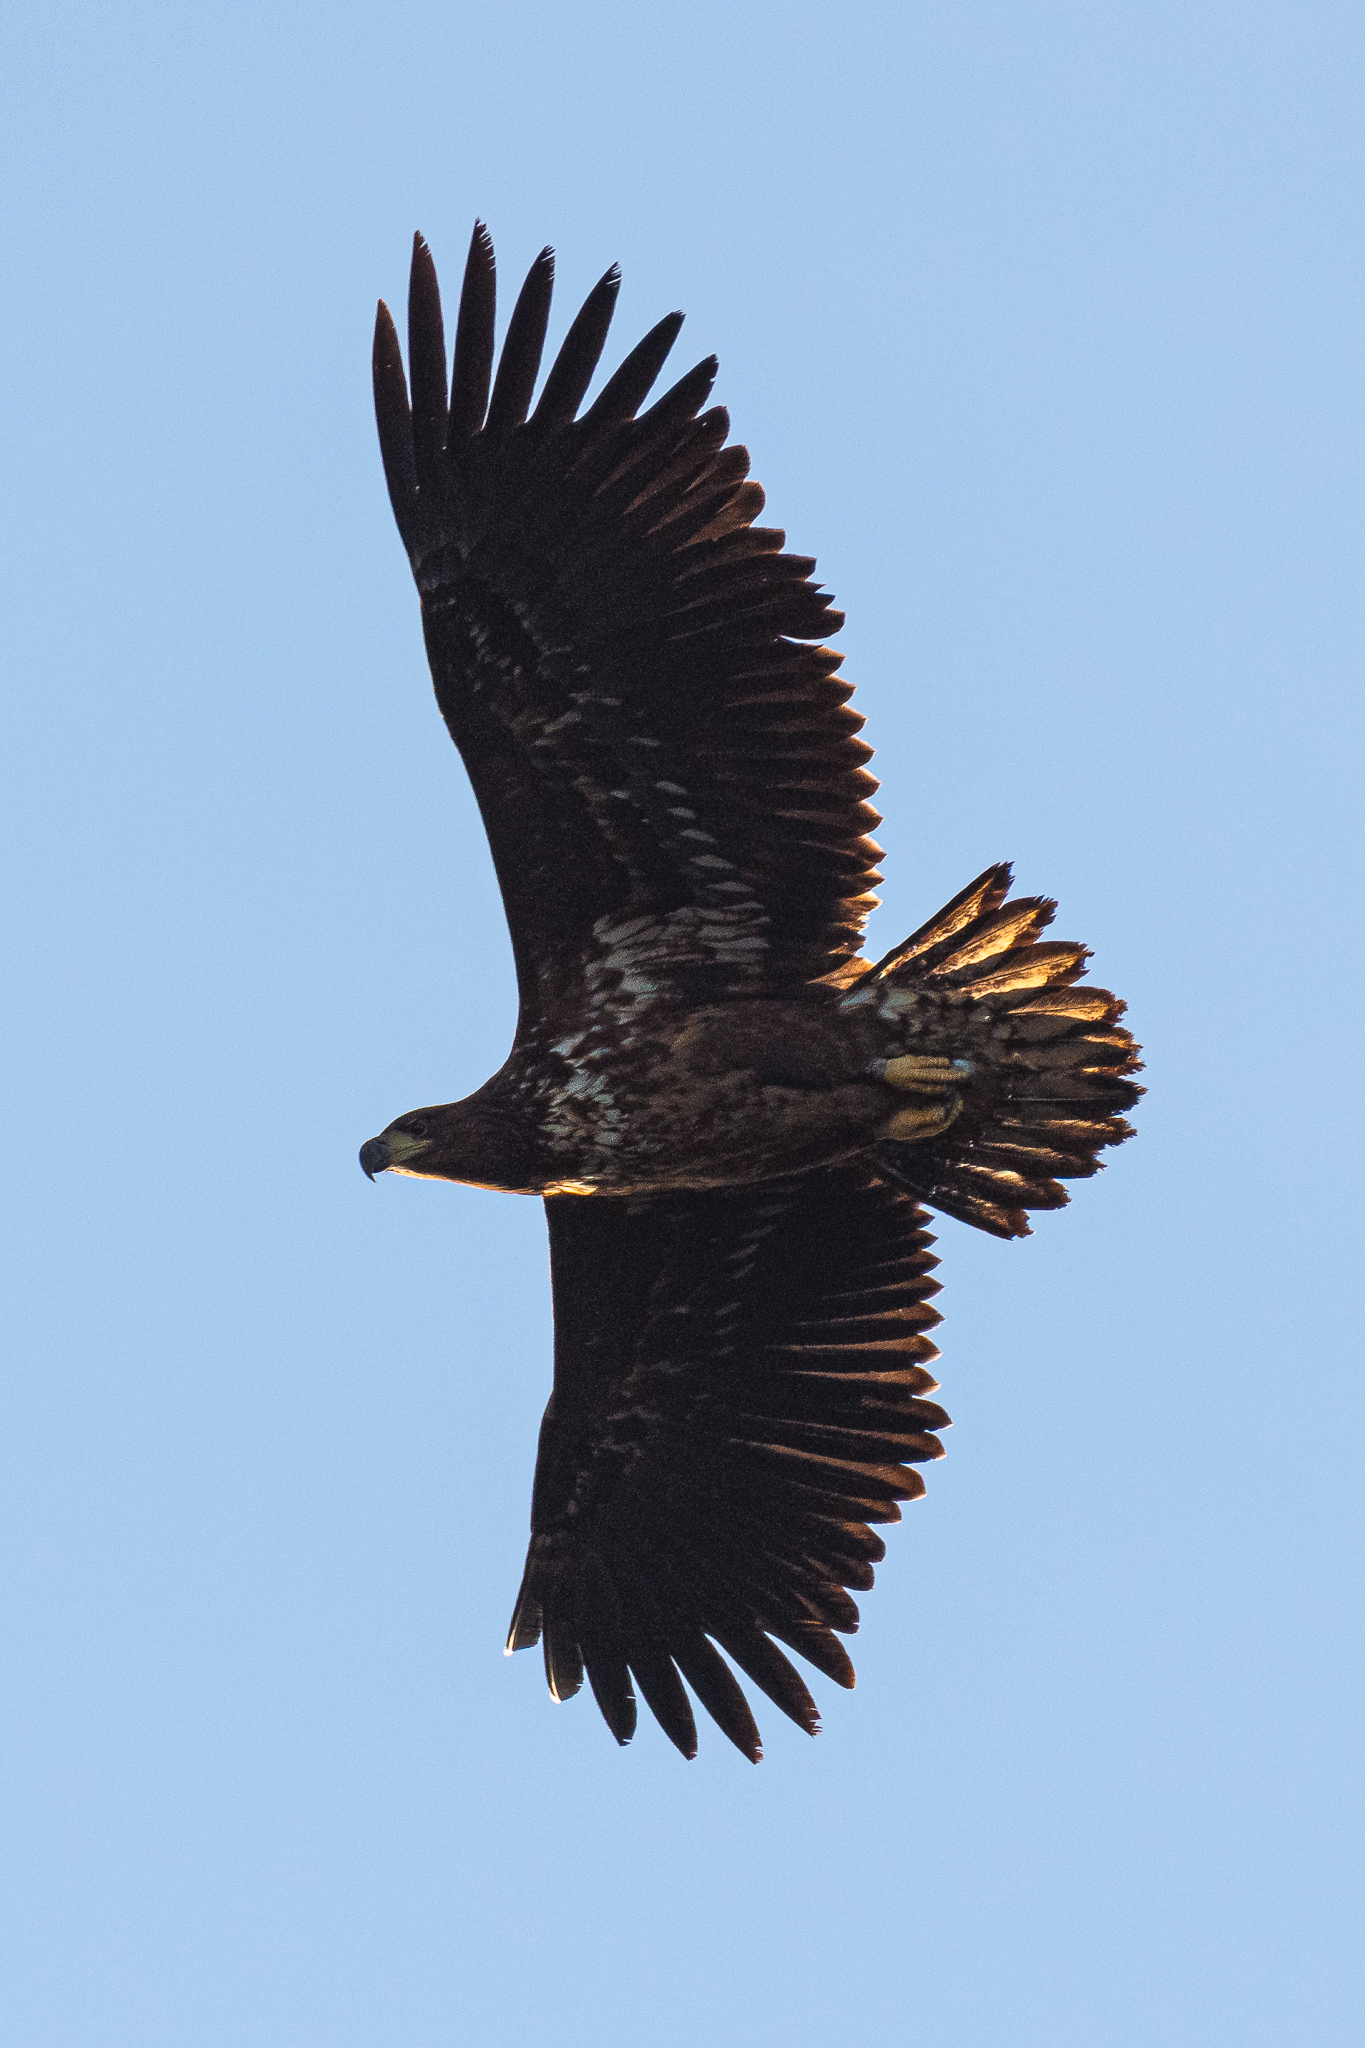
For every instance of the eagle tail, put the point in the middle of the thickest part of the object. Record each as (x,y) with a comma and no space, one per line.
(1050,1064)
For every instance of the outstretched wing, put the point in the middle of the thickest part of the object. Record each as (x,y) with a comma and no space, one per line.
(739,1391)
(666,766)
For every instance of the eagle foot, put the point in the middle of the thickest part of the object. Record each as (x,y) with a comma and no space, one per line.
(915,1125)
(925,1073)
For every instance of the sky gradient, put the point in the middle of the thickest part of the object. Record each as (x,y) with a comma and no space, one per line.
(1043,324)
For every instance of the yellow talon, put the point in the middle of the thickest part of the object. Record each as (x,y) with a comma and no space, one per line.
(914,1125)
(922,1073)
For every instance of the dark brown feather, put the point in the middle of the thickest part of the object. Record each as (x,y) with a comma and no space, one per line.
(474,339)
(604,623)
(694,1462)
(427,362)
(571,372)
(519,364)
(394,419)
(626,389)
(1051,1065)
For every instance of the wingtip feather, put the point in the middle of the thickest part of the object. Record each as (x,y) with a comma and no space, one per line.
(393,418)
(519,364)
(473,366)
(581,351)
(426,364)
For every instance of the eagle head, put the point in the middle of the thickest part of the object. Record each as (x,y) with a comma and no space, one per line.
(476,1141)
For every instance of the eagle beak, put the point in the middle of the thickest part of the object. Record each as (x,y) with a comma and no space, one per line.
(374,1156)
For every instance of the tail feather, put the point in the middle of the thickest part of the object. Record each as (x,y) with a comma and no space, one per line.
(1052,1065)
(978,899)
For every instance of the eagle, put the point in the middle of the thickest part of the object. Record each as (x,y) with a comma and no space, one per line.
(738,1125)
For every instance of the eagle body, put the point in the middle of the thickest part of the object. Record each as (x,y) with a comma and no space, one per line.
(726,1095)
(736,1122)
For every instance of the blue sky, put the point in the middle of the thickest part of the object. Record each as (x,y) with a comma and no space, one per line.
(1043,323)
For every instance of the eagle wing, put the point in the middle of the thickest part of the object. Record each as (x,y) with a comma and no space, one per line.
(738,1393)
(667,769)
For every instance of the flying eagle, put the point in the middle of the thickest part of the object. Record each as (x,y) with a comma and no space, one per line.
(736,1123)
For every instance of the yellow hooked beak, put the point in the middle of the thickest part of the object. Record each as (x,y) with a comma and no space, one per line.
(395,1148)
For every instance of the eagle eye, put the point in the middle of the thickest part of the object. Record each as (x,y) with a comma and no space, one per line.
(417,1127)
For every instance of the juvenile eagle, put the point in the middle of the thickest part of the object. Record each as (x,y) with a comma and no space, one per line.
(736,1123)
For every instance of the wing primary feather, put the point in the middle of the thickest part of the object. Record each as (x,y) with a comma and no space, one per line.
(684,399)
(604,1650)
(563,1656)
(761,1660)
(474,338)
(679,405)
(394,419)
(819,1647)
(719,1691)
(526,1624)
(679,1622)
(626,389)
(665,1694)
(654,1671)
(426,366)
(519,364)
(609,1677)
(670,485)
(581,351)
(725,1610)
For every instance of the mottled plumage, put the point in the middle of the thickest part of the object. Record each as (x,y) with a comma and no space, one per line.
(731,1116)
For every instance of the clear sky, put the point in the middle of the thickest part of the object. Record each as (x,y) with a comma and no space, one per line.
(1043,323)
